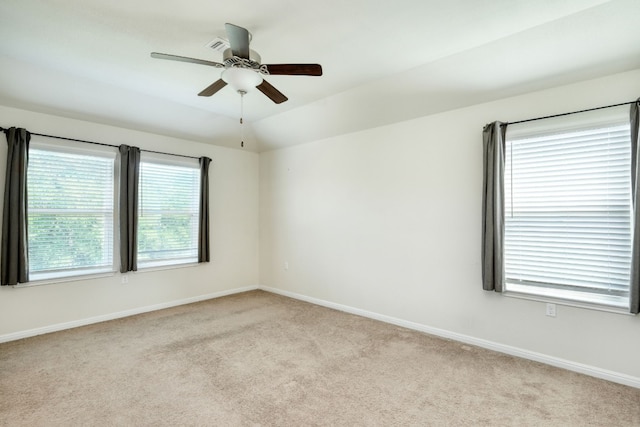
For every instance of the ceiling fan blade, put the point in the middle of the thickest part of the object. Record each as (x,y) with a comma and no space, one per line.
(158,55)
(213,88)
(274,94)
(295,69)
(239,40)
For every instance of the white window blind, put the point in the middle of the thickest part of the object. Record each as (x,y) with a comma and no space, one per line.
(70,197)
(168,210)
(568,214)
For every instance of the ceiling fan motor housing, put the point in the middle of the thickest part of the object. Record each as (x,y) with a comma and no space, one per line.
(230,60)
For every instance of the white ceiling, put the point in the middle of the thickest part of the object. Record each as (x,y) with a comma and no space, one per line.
(383,61)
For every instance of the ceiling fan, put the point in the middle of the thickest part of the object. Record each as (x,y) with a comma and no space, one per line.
(242,68)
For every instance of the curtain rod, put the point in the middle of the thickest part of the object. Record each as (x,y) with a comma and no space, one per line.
(572,112)
(101,143)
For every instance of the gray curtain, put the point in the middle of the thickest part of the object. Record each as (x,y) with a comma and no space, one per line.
(128,207)
(493,136)
(14,264)
(635,179)
(203,221)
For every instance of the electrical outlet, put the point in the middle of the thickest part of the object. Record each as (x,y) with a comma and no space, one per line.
(286,265)
(551,310)
(124,278)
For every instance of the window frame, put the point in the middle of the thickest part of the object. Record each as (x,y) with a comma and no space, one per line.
(171,161)
(592,300)
(71,274)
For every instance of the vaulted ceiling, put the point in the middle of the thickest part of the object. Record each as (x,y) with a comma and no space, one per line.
(383,61)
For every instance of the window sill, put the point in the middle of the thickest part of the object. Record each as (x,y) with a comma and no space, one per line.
(160,267)
(589,305)
(53,279)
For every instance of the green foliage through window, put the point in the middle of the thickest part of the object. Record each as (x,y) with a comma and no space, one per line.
(70,210)
(168,212)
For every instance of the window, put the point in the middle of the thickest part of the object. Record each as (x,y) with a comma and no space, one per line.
(69,214)
(70,196)
(568,212)
(168,210)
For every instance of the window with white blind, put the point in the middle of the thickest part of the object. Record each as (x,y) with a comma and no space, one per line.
(70,211)
(168,210)
(568,213)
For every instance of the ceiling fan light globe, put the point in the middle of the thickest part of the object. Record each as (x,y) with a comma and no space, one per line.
(241,79)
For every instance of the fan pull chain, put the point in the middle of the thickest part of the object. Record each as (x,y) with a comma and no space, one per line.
(241,117)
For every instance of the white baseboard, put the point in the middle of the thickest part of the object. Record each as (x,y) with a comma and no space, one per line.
(111,316)
(490,345)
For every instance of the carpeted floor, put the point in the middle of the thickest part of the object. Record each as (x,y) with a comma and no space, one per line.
(262,359)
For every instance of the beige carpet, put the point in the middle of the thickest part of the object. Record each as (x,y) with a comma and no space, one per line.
(261,359)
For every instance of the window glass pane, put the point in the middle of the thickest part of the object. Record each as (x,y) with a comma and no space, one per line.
(168,212)
(70,211)
(568,214)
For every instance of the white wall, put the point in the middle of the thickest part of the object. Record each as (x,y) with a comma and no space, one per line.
(234,238)
(388,221)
